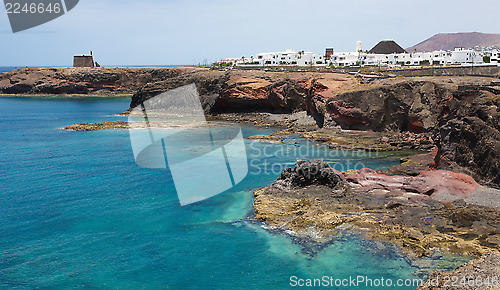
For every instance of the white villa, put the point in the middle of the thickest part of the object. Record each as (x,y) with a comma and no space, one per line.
(439,57)
(284,58)
(495,57)
(458,56)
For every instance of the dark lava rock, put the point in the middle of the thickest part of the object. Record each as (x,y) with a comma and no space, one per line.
(464,119)
(208,83)
(468,135)
(313,172)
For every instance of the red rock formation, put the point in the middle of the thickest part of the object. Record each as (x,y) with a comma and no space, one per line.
(437,184)
(244,92)
(416,125)
(348,116)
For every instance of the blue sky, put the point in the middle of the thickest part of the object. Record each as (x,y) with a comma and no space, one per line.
(169,32)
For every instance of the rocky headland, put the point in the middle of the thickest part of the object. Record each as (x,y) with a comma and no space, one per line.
(118,81)
(433,210)
(458,115)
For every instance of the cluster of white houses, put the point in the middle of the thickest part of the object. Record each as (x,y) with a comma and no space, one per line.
(385,53)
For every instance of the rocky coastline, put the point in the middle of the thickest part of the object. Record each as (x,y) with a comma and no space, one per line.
(103,81)
(433,210)
(459,115)
(444,198)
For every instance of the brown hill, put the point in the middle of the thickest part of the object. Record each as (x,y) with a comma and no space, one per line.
(448,41)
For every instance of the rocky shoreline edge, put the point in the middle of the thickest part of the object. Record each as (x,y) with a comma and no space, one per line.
(460,115)
(435,211)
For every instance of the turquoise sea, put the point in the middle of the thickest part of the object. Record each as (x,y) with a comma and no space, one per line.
(77,212)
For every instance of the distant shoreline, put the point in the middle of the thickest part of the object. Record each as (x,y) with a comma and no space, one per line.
(107,66)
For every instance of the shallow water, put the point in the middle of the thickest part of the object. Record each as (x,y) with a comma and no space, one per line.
(76,210)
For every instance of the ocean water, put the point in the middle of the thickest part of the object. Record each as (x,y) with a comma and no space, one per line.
(10,68)
(6,69)
(77,212)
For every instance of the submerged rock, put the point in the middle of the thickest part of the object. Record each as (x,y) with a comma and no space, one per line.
(412,165)
(264,138)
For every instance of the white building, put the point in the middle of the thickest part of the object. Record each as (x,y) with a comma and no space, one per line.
(284,58)
(359,47)
(495,57)
(440,57)
(459,56)
(344,59)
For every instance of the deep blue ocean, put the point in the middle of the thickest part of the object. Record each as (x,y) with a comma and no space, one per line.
(77,212)
(6,68)
(10,68)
